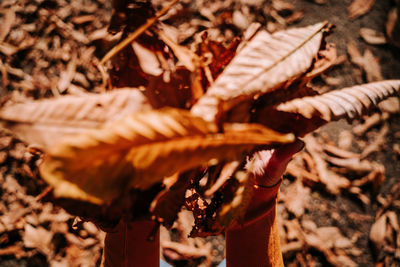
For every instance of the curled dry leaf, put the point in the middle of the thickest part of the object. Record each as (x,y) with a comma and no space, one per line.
(372,67)
(325,59)
(140,150)
(390,105)
(333,181)
(372,37)
(304,115)
(366,62)
(355,54)
(359,8)
(7,23)
(327,239)
(378,232)
(45,122)
(377,144)
(392,26)
(349,103)
(38,238)
(285,55)
(370,122)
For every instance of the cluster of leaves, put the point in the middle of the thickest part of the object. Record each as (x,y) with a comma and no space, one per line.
(49,47)
(187,122)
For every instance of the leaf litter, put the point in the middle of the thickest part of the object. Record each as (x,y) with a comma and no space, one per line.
(311,168)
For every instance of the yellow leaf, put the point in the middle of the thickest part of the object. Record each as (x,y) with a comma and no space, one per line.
(141,149)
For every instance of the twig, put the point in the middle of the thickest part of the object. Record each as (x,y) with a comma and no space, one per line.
(116,49)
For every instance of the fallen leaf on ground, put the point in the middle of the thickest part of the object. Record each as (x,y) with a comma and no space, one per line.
(38,238)
(359,8)
(372,36)
(296,198)
(392,26)
(377,144)
(372,67)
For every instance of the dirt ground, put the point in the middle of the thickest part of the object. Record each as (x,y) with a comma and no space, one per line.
(352,213)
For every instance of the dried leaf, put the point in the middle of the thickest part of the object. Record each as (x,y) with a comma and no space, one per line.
(141,149)
(349,103)
(285,55)
(67,75)
(372,37)
(169,202)
(333,182)
(184,55)
(148,60)
(359,8)
(226,172)
(369,122)
(304,115)
(15,250)
(390,105)
(7,23)
(180,252)
(45,122)
(325,239)
(38,238)
(378,142)
(378,231)
(296,198)
(241,198)
(355,55)
(372,67)
(392,26)
(325,60)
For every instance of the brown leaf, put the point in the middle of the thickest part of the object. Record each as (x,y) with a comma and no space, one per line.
(247,75)
(296,198)
(372,67)
(325,239)
(140,150)
(38,238)
(355,54)
(324,60)
(226,172)
(147,60)
(333,182)
(392,26)
(377,143)
(184,252)
(349,103)
(366,62)
(241,198)
(370,122)
(45,122)
(8,49)
(15,250)
(378,231)
(67,75)
(359,8)
(167,204)
(390,105)
(372,36)
(7,23)
(185,56)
